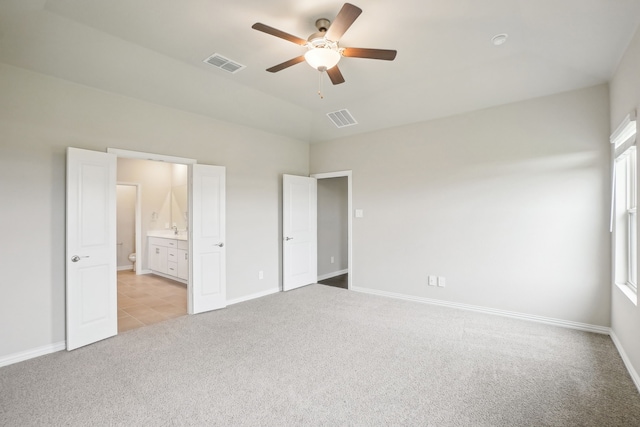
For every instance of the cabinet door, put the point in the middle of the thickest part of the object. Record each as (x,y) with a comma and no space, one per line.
(158,258)
(183,264)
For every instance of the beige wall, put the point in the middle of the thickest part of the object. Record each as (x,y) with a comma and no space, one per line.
(40,116)
(509,204)
(625,96)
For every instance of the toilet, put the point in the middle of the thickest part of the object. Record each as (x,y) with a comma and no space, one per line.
(132,258)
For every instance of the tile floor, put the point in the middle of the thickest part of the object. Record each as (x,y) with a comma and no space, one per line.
(147,299)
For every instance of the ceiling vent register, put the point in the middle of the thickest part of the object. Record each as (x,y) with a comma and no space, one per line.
(342,118)
(223,63)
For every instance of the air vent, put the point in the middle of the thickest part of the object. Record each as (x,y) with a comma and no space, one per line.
(342,118)
(223,63)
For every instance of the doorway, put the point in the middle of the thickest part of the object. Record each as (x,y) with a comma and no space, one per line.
(151,200)
(128,219)
(335,229)
(333,263)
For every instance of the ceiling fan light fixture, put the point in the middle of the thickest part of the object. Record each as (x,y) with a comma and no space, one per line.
(322,58)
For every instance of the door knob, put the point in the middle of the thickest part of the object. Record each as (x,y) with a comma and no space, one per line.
(219,244)
(288,238)
(76,258)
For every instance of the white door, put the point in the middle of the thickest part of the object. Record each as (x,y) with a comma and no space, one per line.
(92,306)
(207,240)
(300,240)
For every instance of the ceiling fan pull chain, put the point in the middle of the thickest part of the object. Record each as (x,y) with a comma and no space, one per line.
(320,85)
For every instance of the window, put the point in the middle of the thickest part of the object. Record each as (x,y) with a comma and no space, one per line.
(624,207)
(625,218)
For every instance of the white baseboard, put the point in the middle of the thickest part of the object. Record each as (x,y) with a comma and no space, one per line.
(52,348)
(253,296)
(627,362)
(125,267)
(334,274)
(30,354)
(515,315)
(540,319)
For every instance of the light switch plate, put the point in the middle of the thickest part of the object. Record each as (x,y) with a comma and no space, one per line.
(359,213)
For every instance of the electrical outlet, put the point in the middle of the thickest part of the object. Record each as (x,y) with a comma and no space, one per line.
(432,280)
(442,282)
(260,275)
(332,260)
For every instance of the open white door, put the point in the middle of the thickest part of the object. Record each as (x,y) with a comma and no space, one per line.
(92,306)
(207,240)
(300,240)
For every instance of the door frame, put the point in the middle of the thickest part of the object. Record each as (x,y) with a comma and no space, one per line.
(150,156)
(138,222)
(348,175)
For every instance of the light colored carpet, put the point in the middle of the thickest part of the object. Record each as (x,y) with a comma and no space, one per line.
(326,356)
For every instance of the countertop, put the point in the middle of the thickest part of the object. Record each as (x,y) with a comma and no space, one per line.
(168,234)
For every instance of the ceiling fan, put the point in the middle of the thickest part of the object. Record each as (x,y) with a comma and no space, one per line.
(323,52)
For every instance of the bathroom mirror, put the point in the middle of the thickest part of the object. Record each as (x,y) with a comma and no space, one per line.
(179,201)
(179,206)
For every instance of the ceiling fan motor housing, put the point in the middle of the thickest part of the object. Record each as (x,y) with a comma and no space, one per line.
(322,24)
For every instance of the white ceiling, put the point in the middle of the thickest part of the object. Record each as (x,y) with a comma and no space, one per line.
(153,50)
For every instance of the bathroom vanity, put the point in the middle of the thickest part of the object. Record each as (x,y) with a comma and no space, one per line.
(169,255)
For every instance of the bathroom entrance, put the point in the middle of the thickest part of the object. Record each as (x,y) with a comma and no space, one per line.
(152,200)
(91,255)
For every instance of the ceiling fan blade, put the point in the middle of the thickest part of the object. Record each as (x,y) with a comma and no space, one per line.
(335,75)
(358,52)
(347,15)
(275,32)
(286,64)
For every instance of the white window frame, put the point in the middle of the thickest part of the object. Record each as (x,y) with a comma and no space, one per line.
(632,220)
(624,207)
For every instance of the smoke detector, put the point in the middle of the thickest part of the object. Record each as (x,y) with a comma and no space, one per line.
(499,39)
